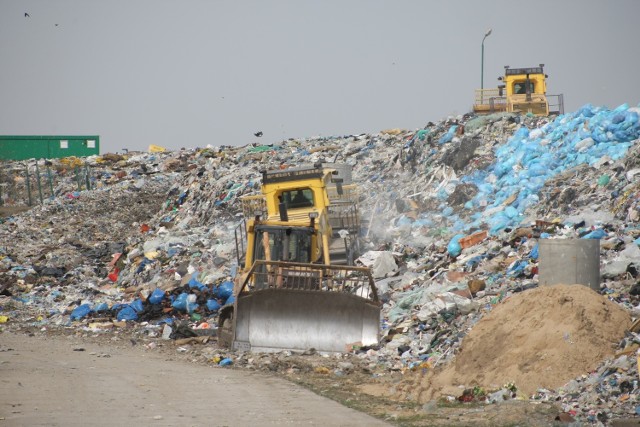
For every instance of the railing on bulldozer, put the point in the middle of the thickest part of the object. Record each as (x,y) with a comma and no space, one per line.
(556,104)
(344,219)
(489,101)
(344,216)
(311,277)
(240,234)
(348,193)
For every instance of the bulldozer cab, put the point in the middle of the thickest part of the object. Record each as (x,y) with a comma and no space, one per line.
(524,90)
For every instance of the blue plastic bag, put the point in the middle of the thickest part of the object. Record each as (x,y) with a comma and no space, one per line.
(195,284)
(225,362)
(118,307)
(180,302)
(213,305)
(225,289)
(143,264)
(137,305)
(517,268)
(183,303)
(80,311)
(454,247)
(156,296)
(449,135)
(595,234)
(230,300)
(101,307)
(511,212)
(127,313)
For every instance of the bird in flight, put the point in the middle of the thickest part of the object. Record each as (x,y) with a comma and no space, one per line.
(258,134)
(26,15)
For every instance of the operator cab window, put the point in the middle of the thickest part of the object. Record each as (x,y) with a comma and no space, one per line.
(302,198)
(521,88)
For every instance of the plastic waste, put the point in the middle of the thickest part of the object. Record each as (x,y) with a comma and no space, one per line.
(113,276)
(226,362)
(137,305)
(517,268)
(195,284)
(595,234)
(225,289)
(127,313)
(156,149)
(213,305)
(101,307)
(166,332)
(80,311)
(180,302)
(142,265)
(421,134)
(157,296)
(185,302)
(454,248)
(447,137)
(534,252)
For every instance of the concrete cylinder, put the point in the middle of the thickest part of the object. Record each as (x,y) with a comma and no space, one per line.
(569,261)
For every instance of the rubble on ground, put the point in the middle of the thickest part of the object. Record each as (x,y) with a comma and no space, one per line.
(454,213)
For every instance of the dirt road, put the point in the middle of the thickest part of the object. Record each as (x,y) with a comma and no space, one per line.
(56,381)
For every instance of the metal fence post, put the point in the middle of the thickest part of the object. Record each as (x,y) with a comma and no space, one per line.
(38,180)
(50,180)
(86,175)
(75,169)
(28,181)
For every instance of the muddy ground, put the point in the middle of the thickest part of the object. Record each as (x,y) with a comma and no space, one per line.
(63,376)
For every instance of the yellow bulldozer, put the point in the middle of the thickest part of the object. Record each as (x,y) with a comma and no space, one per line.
(297,287)
(524,90)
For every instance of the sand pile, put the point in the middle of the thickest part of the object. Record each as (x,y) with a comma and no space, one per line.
(543,337)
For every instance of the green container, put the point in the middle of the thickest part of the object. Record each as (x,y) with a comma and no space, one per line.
(24,147)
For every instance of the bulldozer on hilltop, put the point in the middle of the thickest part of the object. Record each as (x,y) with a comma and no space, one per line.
(297,287)
(524,91)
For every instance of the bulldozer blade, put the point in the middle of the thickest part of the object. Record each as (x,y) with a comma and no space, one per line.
(271,320)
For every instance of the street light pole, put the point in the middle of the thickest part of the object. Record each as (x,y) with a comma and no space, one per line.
(487,34)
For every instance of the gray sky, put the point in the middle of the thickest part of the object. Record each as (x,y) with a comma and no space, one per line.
(192,73)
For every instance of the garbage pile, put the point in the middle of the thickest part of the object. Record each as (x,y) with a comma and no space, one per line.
(454,212)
